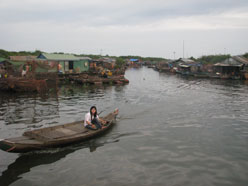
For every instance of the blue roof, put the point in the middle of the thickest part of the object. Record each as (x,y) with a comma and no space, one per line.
(134,59)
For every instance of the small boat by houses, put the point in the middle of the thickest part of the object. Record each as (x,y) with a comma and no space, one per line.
(22,84)
(55,136)
(27,74)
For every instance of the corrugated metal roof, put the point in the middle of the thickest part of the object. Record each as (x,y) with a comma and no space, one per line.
(233,61)
(17,63)
(59,57)
(227,65)
(108,60)
(22,58)
(185,66)
(83,58)
(186,60)
(241,59)
(2,59)
(190,65)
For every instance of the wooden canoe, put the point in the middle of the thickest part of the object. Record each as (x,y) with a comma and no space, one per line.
(55,136)
(23,85)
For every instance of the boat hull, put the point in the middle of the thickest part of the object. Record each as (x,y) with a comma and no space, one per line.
(56,136)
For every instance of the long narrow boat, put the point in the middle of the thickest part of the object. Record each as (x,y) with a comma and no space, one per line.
(55,136)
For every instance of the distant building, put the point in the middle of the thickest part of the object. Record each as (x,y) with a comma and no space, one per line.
(134,62)
(162,66)
(188,66)
(108,63)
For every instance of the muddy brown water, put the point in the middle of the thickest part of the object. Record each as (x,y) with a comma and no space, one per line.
(171,130)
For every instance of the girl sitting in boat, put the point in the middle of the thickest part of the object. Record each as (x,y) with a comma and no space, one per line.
(92,120)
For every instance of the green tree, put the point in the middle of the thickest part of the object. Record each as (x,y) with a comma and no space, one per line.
(212,59)
(246,55)
(120,63)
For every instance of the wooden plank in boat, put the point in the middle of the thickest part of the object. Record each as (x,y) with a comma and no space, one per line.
(66,131)
(54,134)
(57,133)
(37,136)
(77,128)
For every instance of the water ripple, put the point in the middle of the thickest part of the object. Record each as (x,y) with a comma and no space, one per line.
(171,130)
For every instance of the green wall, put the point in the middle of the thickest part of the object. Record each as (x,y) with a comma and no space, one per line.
(81,66)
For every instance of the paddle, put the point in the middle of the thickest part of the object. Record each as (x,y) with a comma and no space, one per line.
(100,112)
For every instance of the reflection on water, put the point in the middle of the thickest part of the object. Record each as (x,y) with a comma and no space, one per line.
(171,130)
(26,161)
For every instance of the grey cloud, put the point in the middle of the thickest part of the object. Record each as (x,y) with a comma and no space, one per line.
(117,26)
(115,13)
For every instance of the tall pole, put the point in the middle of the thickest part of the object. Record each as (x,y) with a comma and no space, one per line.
(183,48)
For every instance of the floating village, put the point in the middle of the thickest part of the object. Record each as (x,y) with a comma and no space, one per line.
(48,70)
(233,67)
(42,72)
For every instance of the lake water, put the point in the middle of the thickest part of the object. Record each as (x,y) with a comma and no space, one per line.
(171,131)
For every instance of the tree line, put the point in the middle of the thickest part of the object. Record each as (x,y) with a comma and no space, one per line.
(208,59)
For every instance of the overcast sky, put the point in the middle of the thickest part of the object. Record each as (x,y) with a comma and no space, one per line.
(155,28)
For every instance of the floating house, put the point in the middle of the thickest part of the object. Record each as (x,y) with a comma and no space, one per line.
(151,64)
(67,63)
(244,71)
(105,67)
(162,66)
(108,63)
(235,67)
(188,66)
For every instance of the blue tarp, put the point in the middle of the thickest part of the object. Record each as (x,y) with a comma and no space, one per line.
(134,60)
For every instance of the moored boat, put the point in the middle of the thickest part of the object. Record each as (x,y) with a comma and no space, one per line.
(55,136)
(21,84)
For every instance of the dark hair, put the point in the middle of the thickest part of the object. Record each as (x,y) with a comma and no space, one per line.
(91,112)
